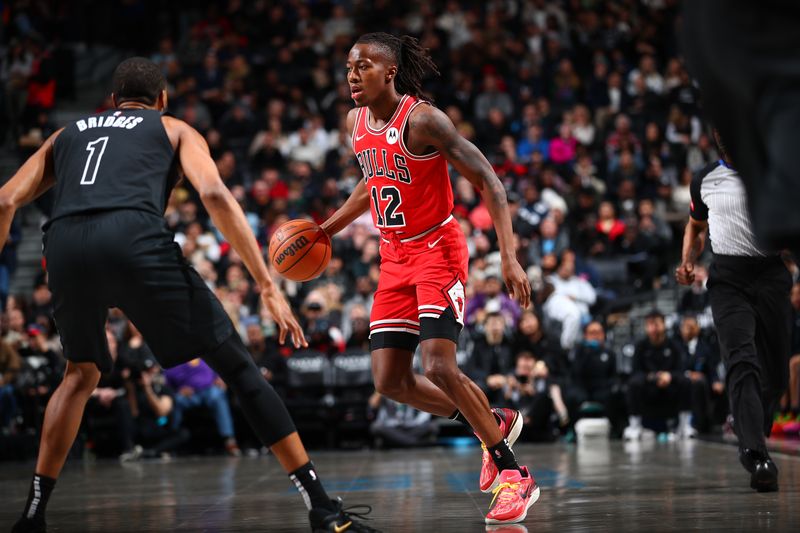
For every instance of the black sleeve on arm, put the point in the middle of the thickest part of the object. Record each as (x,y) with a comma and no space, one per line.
(697,208)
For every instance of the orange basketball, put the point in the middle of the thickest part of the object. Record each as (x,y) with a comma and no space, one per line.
(299,250)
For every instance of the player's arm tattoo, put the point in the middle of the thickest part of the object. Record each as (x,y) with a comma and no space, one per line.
(437,129)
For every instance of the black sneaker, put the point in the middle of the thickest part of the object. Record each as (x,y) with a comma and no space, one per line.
(340,519)
(26,525)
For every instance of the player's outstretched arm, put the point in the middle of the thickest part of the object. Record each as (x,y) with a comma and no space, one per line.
(431,127)
(227,215)
(694,239)
(356,204)
(32,179)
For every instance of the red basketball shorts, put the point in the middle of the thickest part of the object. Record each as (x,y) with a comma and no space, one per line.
(421,288)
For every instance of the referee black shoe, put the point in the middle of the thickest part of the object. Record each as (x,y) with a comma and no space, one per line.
(340,520)
(763,472)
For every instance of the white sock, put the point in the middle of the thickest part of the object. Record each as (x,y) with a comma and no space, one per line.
(685,420)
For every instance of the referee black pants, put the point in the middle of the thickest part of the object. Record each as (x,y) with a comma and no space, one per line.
(752,314)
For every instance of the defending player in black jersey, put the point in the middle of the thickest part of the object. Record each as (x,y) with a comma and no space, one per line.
(107,245)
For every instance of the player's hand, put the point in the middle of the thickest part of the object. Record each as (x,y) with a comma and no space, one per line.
(519,287)
(684,274)
(282,314)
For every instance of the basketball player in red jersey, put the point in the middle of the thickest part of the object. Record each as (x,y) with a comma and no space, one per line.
(403,145)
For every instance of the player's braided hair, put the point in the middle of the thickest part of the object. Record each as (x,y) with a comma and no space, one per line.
(414,62)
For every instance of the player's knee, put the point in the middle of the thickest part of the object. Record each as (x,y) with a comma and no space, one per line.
(391,387)
(81,378)
(440,372)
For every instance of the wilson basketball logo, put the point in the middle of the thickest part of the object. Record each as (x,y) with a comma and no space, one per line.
(392,136)
(292,249)
(299,250)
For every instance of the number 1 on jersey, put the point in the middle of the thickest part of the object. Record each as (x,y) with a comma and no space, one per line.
(388,217)
(91,149)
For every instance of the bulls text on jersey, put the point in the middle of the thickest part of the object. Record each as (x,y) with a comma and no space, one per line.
(379,166)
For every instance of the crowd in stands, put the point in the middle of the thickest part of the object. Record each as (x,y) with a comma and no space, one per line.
(585,111)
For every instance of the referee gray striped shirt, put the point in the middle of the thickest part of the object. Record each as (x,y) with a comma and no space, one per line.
(718,196)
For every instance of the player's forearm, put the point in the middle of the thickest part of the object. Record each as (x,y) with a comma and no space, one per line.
(494,195)
(231,222)
(354,207)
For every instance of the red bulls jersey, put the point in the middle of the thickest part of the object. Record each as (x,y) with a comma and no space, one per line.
(410,195)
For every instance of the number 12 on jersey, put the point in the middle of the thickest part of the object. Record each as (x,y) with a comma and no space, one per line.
(387,216)
(91,148)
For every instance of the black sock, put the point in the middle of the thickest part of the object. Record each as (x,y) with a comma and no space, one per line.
(458,417)
(41,487)
(503,457)
(307,482)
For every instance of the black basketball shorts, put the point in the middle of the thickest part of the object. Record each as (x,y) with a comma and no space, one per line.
(128,259)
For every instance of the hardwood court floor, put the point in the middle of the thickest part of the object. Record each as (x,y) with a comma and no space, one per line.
(593,487)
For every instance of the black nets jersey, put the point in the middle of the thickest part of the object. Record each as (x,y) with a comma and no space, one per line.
(118,159)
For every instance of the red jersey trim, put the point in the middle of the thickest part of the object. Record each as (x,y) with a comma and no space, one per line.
(385,127)
(402,143)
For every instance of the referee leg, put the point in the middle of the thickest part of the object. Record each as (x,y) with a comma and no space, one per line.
(773,336)
(735,319)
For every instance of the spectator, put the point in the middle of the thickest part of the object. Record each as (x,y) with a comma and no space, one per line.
(658,380)
(609,227)
(562,148)
(492,98)
(8,259)
(196,385)
(530,390)
(646,72)
(320,332)
(533,142)
(399,425)
(492,358)
(265,353)
(701,154)
(108,405)
(493,299)
(152,402)
(17,69)
(552,240)
(531,337)
(582,128)
(702,364)
(359,334)
(594,368)
(570,301)
(9,368)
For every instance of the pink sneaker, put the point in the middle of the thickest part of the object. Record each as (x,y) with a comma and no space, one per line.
(512,497)
(792,428)
(510,427)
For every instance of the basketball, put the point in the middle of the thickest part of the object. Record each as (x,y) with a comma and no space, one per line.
(299,250)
